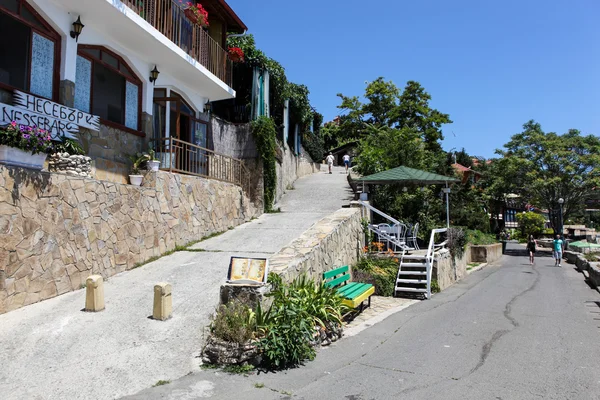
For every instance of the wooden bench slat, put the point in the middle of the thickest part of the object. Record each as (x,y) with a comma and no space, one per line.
(342,290)
(358,300)
(357,290)
(334,272)
(337,281)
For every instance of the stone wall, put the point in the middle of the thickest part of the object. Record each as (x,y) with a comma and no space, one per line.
(109,149)
(334,241)
(292,167)
(485,254)
(447,270)
(55,229)
(70,164)
(233,140)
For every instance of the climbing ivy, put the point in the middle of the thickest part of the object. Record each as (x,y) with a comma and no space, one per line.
(280,88)
(314,145)
(263,130)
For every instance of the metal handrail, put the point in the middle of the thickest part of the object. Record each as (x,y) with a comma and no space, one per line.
(168,17)
(179,156)
(433,247)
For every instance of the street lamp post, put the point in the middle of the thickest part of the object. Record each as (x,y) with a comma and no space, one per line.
(446,190)
(560,203)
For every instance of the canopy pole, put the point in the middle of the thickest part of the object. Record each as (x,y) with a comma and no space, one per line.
(447,206)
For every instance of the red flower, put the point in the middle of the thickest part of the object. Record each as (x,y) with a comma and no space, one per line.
(236,54)
(200,13)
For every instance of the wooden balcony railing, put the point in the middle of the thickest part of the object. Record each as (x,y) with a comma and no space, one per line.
(168,17)
(186,158)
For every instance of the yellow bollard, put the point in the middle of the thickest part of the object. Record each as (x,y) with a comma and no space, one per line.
(163,301)
(94,293)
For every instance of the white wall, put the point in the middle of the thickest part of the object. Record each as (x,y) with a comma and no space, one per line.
(141,60)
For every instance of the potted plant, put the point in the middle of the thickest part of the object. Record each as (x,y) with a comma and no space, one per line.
(152,163)
(236,54)
(24,146)
(197,14)
(136,161)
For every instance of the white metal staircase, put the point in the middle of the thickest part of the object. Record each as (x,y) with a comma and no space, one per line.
(414,272)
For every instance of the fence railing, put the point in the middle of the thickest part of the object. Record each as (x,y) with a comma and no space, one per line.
(186,158)
(168,17)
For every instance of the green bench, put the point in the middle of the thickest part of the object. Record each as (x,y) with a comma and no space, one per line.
(354,293)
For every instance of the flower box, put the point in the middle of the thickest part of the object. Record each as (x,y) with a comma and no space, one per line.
(196,14)
(189,13)
(13,156)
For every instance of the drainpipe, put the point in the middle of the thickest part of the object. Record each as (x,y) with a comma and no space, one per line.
(238,34)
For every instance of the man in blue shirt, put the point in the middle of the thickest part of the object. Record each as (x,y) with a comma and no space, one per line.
(558,250)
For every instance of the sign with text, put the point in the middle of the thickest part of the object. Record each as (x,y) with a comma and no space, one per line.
(57,111)
(248,270)
(57,128)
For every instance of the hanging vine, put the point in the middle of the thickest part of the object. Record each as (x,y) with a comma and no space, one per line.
(263,130)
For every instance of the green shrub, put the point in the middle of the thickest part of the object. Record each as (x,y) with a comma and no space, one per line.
(379,271)
(530,223)
(287,327)
(68,145)
(314,145)
(457,241)
(476,237)
(435,287)
(233,322)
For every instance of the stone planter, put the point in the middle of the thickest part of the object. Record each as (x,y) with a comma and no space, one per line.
(153,165)
(136,180)
(594,271)
(75,165)
(220,352)
(20,158)
(486,253)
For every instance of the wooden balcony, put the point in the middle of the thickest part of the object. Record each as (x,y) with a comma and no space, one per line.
(168,17)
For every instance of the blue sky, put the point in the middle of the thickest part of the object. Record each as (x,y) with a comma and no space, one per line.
(491,65)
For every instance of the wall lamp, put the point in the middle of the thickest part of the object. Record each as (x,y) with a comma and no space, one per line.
(77,28)
(154,75)
(207,106)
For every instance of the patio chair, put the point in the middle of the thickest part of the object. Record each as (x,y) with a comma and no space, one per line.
(411,240)
(387,230)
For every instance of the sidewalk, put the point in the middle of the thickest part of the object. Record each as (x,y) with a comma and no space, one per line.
(52,350)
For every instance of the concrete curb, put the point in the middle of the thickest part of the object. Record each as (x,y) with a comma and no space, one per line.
(470,271)
(378,318)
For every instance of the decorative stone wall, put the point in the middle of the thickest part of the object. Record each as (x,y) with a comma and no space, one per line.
(109,149)
(334,241)
(447,270)
(70,164)
(292,167)
(55,229)
(485,254)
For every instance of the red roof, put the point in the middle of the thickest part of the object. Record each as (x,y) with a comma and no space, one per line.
(460,167)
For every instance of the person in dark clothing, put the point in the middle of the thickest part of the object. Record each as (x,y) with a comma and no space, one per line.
(531,249)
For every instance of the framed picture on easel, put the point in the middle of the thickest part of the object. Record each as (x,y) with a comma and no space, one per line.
(253,271)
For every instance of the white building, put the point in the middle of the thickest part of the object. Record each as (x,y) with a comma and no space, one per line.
(105,70)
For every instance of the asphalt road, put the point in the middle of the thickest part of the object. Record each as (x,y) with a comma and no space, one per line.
(509,331)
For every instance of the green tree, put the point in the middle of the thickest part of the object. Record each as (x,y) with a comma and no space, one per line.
(544,167)
(395,128)
(531,223)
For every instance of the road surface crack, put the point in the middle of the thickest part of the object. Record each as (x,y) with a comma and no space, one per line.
(487,347)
